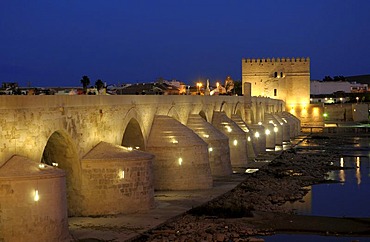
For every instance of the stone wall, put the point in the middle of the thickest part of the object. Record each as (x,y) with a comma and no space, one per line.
(27,122)
(346,112)
(69,127)
(116,180)
(181,156)
(25,216)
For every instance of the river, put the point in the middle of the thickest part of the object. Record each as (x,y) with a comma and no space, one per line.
(348,198)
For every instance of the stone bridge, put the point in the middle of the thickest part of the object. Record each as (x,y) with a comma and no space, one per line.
(107,154)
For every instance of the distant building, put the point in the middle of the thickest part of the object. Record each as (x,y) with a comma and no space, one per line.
(285,79)
(9,85)
(154,88)
(363,79)
(330,87)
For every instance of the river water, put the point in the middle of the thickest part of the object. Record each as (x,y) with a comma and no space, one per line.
(349,198)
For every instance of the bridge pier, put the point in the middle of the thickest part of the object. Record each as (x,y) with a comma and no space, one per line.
(270,136)
(285,128)
(258,138)
(116,179)
(250,147)
(181,161)
(295,124)
(33,198)
(237,139)
(218,145)
(277,129)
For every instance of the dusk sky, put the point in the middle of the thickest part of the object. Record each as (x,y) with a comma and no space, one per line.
(56,42)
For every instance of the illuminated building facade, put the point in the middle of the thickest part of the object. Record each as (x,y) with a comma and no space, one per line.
(285,79)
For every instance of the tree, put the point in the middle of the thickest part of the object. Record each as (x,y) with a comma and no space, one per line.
(238,88)
(229,85)
(99,84)
(85,81)
(327,79)
(339,78)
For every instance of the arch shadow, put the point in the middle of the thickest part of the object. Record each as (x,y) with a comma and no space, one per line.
(133,134)
(61,151)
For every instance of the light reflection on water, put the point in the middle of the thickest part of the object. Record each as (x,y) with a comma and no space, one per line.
(311,238)
(350,198)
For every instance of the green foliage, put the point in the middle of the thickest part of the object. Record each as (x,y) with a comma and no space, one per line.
(238,87)
(335,79)
(99,84)
(85,81)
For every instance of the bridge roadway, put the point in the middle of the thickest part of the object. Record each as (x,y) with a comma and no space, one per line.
(101,155)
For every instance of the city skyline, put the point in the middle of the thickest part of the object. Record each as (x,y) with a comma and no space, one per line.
(56,43)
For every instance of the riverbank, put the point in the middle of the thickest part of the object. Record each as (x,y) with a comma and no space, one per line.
(255,208)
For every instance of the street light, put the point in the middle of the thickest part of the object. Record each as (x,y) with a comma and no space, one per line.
(199,85)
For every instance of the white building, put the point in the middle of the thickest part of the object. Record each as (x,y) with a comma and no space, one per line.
(329,87)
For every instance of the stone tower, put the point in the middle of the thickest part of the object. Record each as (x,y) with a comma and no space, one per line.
(285,79)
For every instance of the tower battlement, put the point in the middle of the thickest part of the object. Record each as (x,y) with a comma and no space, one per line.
(273,60)
(287,79)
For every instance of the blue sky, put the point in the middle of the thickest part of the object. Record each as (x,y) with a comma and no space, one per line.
(54,43)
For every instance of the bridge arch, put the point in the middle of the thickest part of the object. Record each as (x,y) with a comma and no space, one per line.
(203,115)
(238,109)
(133,133)
(172,112)
(133,136)
(61,151)
(222,106)
(227,108)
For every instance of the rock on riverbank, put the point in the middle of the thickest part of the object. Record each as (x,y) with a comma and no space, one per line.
(246,210)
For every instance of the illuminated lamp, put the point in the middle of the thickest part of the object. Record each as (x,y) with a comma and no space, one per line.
(36,196)
(122,174)
(180,161)
(235,142)
(257,135)
(267,132)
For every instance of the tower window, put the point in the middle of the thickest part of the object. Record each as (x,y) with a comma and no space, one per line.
(281,74)
(275,74)
(275,92)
